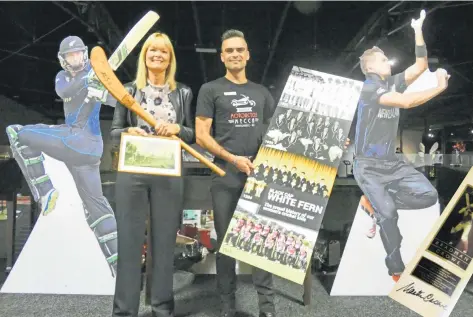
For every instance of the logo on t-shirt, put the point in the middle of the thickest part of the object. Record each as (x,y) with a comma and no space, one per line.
(391,113)
(242,102)
(244,115)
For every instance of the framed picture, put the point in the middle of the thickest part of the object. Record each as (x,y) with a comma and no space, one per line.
(152,155)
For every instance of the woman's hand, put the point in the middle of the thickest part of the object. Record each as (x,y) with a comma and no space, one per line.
(137,131)
(167,129)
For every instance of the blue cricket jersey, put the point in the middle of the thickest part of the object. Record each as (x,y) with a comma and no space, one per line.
(377,125)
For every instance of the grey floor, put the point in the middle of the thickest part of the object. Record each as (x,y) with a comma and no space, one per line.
(196,297)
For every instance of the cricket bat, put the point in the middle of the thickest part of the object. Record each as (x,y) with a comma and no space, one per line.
(105,74)
(435,278)
(134,36)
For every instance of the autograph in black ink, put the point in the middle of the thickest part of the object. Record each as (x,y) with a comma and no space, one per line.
(429,298)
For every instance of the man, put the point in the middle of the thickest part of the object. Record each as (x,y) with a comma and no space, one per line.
(77,143)
(387,182)
(238,128)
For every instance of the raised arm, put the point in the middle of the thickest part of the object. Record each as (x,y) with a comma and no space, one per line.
(411,99)
(421,64)
(66,85)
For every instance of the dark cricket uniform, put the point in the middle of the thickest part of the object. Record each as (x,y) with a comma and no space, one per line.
(240,113)
(78,144)
(388,182)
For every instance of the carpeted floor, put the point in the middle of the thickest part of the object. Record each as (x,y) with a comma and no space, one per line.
(196,297)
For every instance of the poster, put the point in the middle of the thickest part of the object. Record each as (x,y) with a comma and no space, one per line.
(278,216)
(436,277)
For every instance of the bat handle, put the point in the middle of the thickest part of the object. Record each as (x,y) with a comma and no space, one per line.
(200,157)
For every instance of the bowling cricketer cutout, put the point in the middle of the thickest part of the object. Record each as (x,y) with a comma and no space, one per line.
(74,241)
(279,213)
(399,205)
(435,278)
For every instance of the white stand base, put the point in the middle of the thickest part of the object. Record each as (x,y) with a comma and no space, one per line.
(61,255)
(362,270)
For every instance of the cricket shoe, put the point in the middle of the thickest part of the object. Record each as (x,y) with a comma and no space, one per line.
(48,202)
(372,229)
(396,277)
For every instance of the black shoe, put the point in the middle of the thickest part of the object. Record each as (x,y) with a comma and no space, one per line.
(267,314)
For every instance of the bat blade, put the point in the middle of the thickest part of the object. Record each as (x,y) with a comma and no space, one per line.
(133,37)
(105,74)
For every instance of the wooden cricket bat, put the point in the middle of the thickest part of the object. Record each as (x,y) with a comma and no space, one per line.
(435,278)
(105,74)
(134,36)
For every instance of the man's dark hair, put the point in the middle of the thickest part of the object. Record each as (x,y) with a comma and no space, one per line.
(232,33)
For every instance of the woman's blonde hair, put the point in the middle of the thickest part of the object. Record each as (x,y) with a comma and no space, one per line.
(141,79)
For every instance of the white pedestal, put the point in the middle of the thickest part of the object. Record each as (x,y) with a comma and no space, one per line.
(362,270)
(61,255)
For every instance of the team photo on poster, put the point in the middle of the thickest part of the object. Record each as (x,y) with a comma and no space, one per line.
(262,240)
(284,199)
(317,137)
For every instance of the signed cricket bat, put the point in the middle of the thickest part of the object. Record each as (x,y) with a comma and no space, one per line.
(435,278)
(134,36)
(105,74)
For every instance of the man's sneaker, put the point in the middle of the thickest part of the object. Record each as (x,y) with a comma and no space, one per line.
(372,230)
(396,277)
(48,202)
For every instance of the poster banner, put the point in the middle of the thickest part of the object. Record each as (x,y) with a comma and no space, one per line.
(436,277)
(278,216)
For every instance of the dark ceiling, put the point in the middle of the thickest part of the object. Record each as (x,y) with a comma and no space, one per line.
(280,34)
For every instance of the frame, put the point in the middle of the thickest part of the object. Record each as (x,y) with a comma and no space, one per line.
(152,155)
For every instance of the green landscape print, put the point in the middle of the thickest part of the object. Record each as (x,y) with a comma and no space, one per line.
(143,153)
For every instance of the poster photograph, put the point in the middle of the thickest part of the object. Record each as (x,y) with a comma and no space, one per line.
(320,138)
(149,155)
(436,277)
(280,247)
(279,213)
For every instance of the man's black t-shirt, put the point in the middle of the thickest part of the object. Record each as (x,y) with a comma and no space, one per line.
(240,113)
(377,125)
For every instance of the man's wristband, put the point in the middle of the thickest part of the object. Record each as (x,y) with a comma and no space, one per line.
(421,51)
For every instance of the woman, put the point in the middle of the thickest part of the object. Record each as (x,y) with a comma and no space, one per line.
(169,102)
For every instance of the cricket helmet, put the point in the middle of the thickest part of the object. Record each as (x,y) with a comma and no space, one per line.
(72,44)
